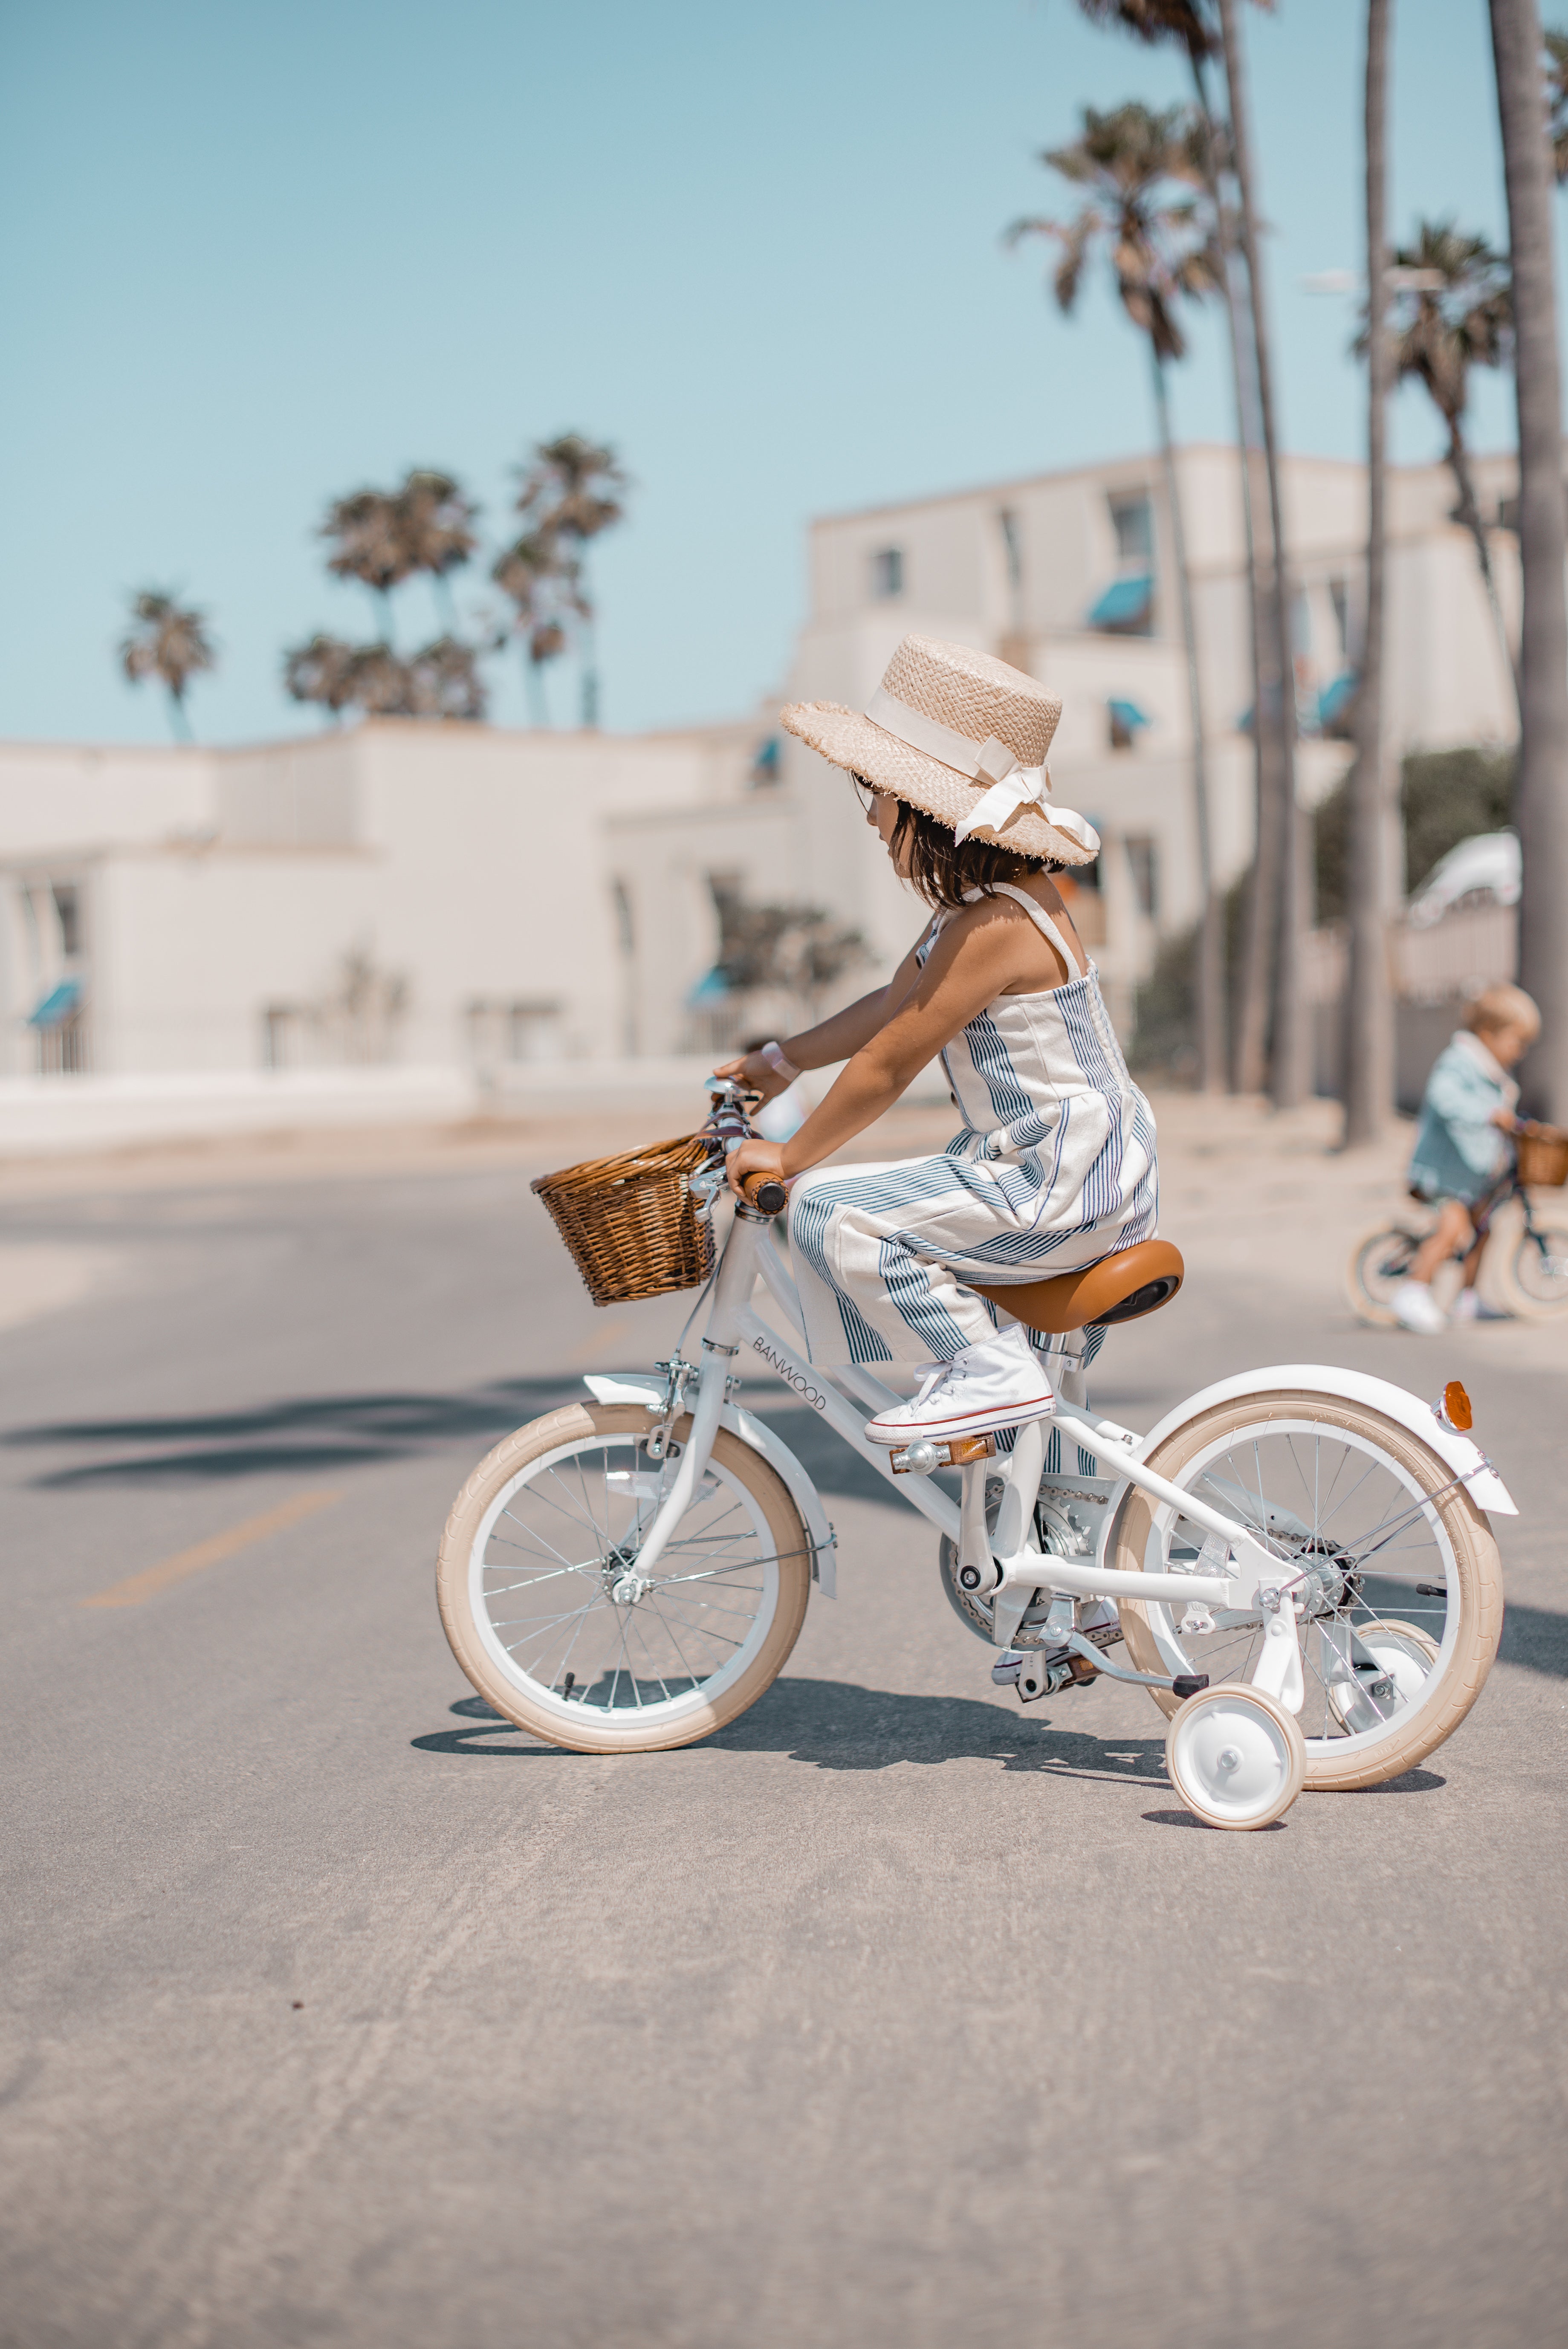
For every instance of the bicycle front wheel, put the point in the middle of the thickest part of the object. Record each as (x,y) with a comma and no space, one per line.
(548,1614)
(1396,1574)
(1378,1263)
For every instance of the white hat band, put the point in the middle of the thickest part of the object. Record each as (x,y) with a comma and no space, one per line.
(990,762)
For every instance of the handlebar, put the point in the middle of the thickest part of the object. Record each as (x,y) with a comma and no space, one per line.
(728,1126)
(764,1193)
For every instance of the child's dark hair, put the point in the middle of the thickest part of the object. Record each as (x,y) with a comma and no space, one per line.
(941,869)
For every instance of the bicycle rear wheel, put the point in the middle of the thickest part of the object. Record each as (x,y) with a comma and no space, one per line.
(541,1597)
(1396,1569)
(1535,1275)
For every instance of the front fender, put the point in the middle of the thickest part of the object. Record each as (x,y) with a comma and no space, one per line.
(1486,1488)
(647,1387)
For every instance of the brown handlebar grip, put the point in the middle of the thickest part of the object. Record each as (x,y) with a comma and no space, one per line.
(764,1193)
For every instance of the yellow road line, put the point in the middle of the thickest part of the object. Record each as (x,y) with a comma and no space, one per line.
(154,1578)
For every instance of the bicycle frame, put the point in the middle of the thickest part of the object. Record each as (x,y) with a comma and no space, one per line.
(751,1252)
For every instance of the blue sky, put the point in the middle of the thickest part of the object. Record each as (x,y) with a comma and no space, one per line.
(255,252)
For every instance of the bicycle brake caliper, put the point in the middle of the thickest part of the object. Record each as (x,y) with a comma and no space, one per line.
(676,1374)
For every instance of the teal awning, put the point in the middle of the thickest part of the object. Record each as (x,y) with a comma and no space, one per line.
(710,989)
(57,1006)
(1332,700)
(1126,714)
(1125,603)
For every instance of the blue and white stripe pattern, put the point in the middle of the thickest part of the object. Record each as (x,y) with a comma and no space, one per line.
(1054,1168)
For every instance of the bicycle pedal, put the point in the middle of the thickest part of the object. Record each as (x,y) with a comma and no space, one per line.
(922,1458)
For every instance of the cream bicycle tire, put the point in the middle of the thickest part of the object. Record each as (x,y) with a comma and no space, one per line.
(587,1428)
(1469,1539)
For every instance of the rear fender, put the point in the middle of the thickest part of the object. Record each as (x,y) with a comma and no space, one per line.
(1484,1486)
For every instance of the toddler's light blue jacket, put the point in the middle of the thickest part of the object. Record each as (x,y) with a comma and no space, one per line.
(1459,1152)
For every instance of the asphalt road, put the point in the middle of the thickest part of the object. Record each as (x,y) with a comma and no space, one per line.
(336,2012)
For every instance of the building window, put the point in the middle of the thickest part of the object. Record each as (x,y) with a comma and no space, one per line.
(1143,856)
(67,910)
(887,572)
(1132,519)
(285,1035)
(1126,721)
(513,1031)
(625,922)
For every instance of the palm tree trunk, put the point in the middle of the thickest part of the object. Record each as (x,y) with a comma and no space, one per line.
(587,650)
(179,722)
(1210,988)
(533,677)
(1470,515)
(1250,1042)
(1291,1072)
(1543,787)
(1368,996)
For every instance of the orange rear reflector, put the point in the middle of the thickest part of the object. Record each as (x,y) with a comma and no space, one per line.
(1457,1405)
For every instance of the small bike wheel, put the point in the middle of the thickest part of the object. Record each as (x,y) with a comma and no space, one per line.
(1536,1273)
(1375,1529)
(1235,1757)
(1378,1262)
(546,1613)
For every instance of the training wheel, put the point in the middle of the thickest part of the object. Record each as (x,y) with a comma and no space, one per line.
(1235,1757)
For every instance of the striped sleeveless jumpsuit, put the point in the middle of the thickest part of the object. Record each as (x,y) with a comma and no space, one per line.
(1055,1169)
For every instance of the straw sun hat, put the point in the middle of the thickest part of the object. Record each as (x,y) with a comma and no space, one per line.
(962,736)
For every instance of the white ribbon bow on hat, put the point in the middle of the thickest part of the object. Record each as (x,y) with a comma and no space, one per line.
(1011,786)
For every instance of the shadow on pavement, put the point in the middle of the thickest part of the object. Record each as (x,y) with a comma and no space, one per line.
(1537,1638)
(834,1725)
(313,1432)
(328,1431)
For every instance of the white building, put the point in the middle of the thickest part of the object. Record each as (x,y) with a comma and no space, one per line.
(464,898)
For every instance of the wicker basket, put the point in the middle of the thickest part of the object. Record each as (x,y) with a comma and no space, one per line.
(1543,1155)
(630,1222)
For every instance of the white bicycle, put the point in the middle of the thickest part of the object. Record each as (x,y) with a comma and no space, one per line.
(1297,1561)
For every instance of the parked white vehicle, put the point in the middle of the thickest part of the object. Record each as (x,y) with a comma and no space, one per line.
(1488,864)
(1298,1561)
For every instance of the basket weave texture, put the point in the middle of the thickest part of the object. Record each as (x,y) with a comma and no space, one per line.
(1543,1155)
(630,1222)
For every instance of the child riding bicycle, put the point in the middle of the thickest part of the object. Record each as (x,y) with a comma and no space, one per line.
(1462,1150)
(1053,1168)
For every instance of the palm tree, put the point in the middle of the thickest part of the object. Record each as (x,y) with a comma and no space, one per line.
(434,519)
(573,490)
(366,531)
(1133,161)
(1290,1073)
(322,670)
(1368,996)
(168,641)
(538,580)
(1194,26)
(1518,50)
(1445,329)
(444,681)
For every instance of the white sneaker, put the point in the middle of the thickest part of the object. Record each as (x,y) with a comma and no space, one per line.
(1418,1309)
(998,1385)
(1469,1306)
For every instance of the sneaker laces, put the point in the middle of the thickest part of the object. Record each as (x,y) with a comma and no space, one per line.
(934,1377)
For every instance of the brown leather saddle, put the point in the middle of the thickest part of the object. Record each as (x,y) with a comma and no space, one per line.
(1120,1288)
